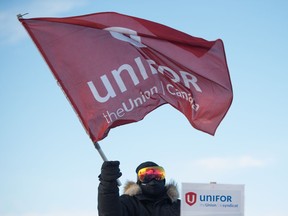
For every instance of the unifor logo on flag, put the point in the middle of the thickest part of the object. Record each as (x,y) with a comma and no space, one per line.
(115,69)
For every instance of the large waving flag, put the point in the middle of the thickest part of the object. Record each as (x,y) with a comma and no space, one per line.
(115,69)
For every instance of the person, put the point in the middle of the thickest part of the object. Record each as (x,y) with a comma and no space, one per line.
(149,195)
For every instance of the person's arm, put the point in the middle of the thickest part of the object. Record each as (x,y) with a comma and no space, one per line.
(108,191)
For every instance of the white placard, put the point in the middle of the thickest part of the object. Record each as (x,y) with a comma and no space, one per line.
(212,200)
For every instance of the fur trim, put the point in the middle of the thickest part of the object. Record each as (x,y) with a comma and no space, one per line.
(132,189)
(172,191)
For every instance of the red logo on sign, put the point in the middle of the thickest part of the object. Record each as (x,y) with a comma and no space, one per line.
(190,198)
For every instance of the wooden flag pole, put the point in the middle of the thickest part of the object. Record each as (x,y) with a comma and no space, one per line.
(103,156)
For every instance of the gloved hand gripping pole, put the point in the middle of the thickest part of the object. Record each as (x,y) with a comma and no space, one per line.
(103,156)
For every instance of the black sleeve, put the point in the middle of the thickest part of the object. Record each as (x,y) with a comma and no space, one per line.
(108,199)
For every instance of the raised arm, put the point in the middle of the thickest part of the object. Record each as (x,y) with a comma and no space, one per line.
(108,190)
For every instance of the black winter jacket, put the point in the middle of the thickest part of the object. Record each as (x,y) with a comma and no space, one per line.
(134,203)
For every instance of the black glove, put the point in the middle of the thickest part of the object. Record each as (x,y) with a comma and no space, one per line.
(110,171)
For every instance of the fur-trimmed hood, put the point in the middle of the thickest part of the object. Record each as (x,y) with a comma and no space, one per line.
(131,188)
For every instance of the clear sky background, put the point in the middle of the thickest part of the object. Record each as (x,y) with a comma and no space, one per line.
(48,164)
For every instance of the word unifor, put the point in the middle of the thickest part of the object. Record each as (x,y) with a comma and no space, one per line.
(187,78)
(215,198)
(143,97)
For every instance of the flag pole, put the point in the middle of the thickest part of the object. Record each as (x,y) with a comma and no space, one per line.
(103,156)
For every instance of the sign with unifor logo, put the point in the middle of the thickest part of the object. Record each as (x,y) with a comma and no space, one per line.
(212,199)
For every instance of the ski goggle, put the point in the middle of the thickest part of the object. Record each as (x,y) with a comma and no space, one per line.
(148,173)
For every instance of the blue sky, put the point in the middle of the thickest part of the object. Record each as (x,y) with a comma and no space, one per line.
(48,164)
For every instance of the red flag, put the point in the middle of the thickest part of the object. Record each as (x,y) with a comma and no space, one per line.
(115,69)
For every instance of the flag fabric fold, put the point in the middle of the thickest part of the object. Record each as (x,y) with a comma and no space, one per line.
(115,69)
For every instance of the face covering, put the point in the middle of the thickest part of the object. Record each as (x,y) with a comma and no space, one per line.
(153,188)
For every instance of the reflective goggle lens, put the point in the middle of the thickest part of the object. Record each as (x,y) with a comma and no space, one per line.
(148,173)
